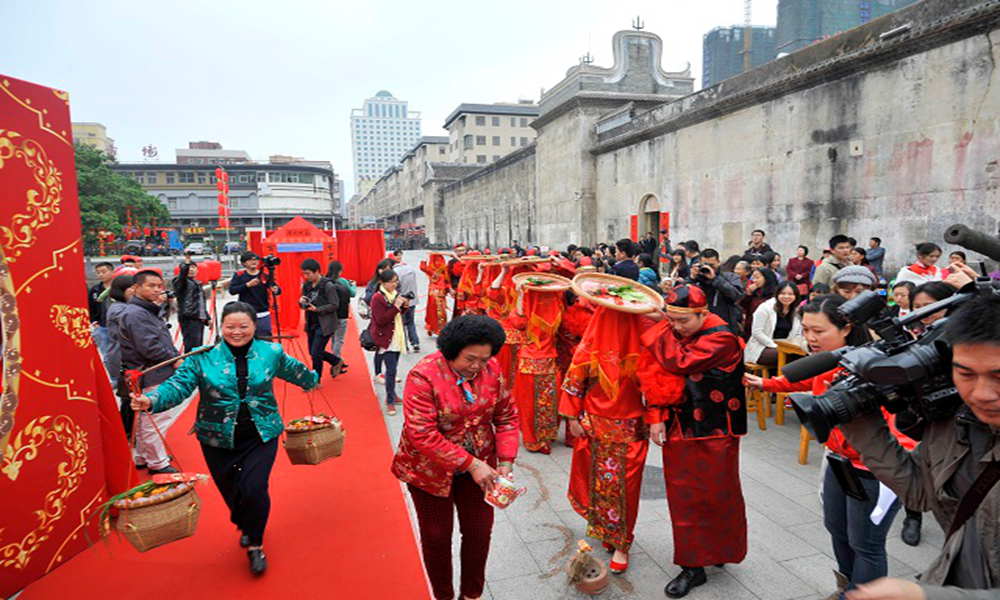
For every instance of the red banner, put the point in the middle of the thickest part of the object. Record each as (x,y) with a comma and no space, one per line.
(633,227)
(60,432)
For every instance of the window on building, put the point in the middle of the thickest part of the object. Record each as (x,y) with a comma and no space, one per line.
(513,141)
(524,141)
(524,122)
(441,150)
(244,179)
(496,157)
(495,121)
(480,140)
(172,204)
(202,177)
(261,176)
(480,120)
(480,158)
(186,177)
(496,140)
(513,122)
(171,177)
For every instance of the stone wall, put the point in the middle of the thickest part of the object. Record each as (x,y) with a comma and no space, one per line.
(493,206)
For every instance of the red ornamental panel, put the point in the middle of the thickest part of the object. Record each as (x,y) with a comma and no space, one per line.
(61,438)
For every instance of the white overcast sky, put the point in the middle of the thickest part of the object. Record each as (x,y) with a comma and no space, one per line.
(274,77)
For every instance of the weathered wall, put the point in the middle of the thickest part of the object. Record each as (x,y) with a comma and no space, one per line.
(900,152)
(492,206)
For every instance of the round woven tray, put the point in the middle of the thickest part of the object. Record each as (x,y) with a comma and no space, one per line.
(557,283)
(477,257)
(586,284)
(527,260)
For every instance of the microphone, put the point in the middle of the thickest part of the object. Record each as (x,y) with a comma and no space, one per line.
(973,240)
(811,366)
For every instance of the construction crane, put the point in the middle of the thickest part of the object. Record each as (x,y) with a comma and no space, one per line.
(747,33)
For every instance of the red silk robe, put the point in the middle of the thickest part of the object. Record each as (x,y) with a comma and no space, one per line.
(455,270)
(701,454)
(601,390)
(465,297)
(437,292)
(514,324)
(536,386)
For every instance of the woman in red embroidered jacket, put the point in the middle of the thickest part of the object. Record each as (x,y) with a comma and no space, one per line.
(459,434)
(858,542)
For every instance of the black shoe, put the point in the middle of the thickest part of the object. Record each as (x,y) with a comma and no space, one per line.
(689,578)
(140,467)
(244,541)
(416,349)
(166,469)
(258,561)
(911,531)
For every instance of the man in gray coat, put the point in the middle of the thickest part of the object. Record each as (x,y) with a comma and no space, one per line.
(937,474)
(145,341)
(875,254)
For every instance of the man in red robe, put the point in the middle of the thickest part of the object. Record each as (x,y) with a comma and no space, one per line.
(699,428)
(503,296)
(602,401)
(536,385)
(455,269)
(466,298)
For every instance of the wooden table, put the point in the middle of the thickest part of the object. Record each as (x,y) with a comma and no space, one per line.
(788,348)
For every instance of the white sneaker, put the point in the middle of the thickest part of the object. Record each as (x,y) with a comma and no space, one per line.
(399,380)
(380,379)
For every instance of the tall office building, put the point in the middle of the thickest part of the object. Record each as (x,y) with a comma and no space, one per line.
(802,22)
(722,52)
(382,131)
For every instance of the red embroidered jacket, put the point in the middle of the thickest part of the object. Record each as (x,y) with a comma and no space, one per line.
(443,431)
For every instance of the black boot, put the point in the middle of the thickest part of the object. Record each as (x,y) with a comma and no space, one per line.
(244,541)
(689,578)
(911,529)
(258,561)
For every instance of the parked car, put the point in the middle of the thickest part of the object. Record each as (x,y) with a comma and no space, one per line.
(134,247)
(232,248)
(195,248)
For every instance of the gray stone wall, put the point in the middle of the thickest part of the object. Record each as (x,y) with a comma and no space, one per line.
(900,152)
(492,207)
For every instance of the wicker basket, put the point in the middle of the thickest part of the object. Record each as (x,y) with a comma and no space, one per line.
(160,523)
(313,446)
(554,283)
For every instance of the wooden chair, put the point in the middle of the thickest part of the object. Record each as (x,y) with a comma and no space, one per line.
(757,400)
(786,349)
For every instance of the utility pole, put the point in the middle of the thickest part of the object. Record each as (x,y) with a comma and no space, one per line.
(747,33)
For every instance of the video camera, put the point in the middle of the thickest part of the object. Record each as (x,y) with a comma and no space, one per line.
(896,371)
(270,262)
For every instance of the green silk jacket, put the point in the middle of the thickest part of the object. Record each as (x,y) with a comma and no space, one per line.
(213,373)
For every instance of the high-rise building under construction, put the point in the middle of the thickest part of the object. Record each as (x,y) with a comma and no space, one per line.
(802,22)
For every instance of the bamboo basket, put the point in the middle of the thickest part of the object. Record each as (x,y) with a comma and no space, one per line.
(160,521)
(314,445)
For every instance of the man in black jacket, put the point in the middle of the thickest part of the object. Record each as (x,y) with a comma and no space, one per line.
(192,314)
(98,309)
(145,341)
(249,284)
(625,265)
(723,290)
(321,303)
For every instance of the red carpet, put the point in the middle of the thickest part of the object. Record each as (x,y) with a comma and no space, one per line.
(337,530)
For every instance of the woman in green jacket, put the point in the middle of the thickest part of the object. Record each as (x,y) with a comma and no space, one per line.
(238,422)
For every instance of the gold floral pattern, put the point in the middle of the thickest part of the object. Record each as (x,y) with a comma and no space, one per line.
(25,447)
(43,205)
(74,321)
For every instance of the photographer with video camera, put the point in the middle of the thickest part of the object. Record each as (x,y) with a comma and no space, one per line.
(850,492)
(255,287)
(953,471)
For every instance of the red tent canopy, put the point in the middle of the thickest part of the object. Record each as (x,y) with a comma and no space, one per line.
(359,250)
(294,242)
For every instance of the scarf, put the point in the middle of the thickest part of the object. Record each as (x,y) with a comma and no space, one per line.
(922,270)
(398,342)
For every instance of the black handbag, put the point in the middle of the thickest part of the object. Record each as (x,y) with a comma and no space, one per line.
(367,342)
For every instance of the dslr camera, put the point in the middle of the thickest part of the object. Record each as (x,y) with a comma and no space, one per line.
(270,261)
(896,371)
(408,295)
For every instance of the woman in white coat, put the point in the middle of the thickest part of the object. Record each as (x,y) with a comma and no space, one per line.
(774,319)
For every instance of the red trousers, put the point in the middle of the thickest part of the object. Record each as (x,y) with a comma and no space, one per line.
(436,522)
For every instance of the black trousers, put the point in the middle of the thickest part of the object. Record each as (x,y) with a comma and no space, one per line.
(193,332)
(241,474)
(317,349)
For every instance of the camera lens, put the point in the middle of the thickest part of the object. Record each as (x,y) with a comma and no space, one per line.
(841,403)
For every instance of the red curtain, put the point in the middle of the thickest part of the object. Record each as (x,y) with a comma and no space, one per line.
(360,251)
